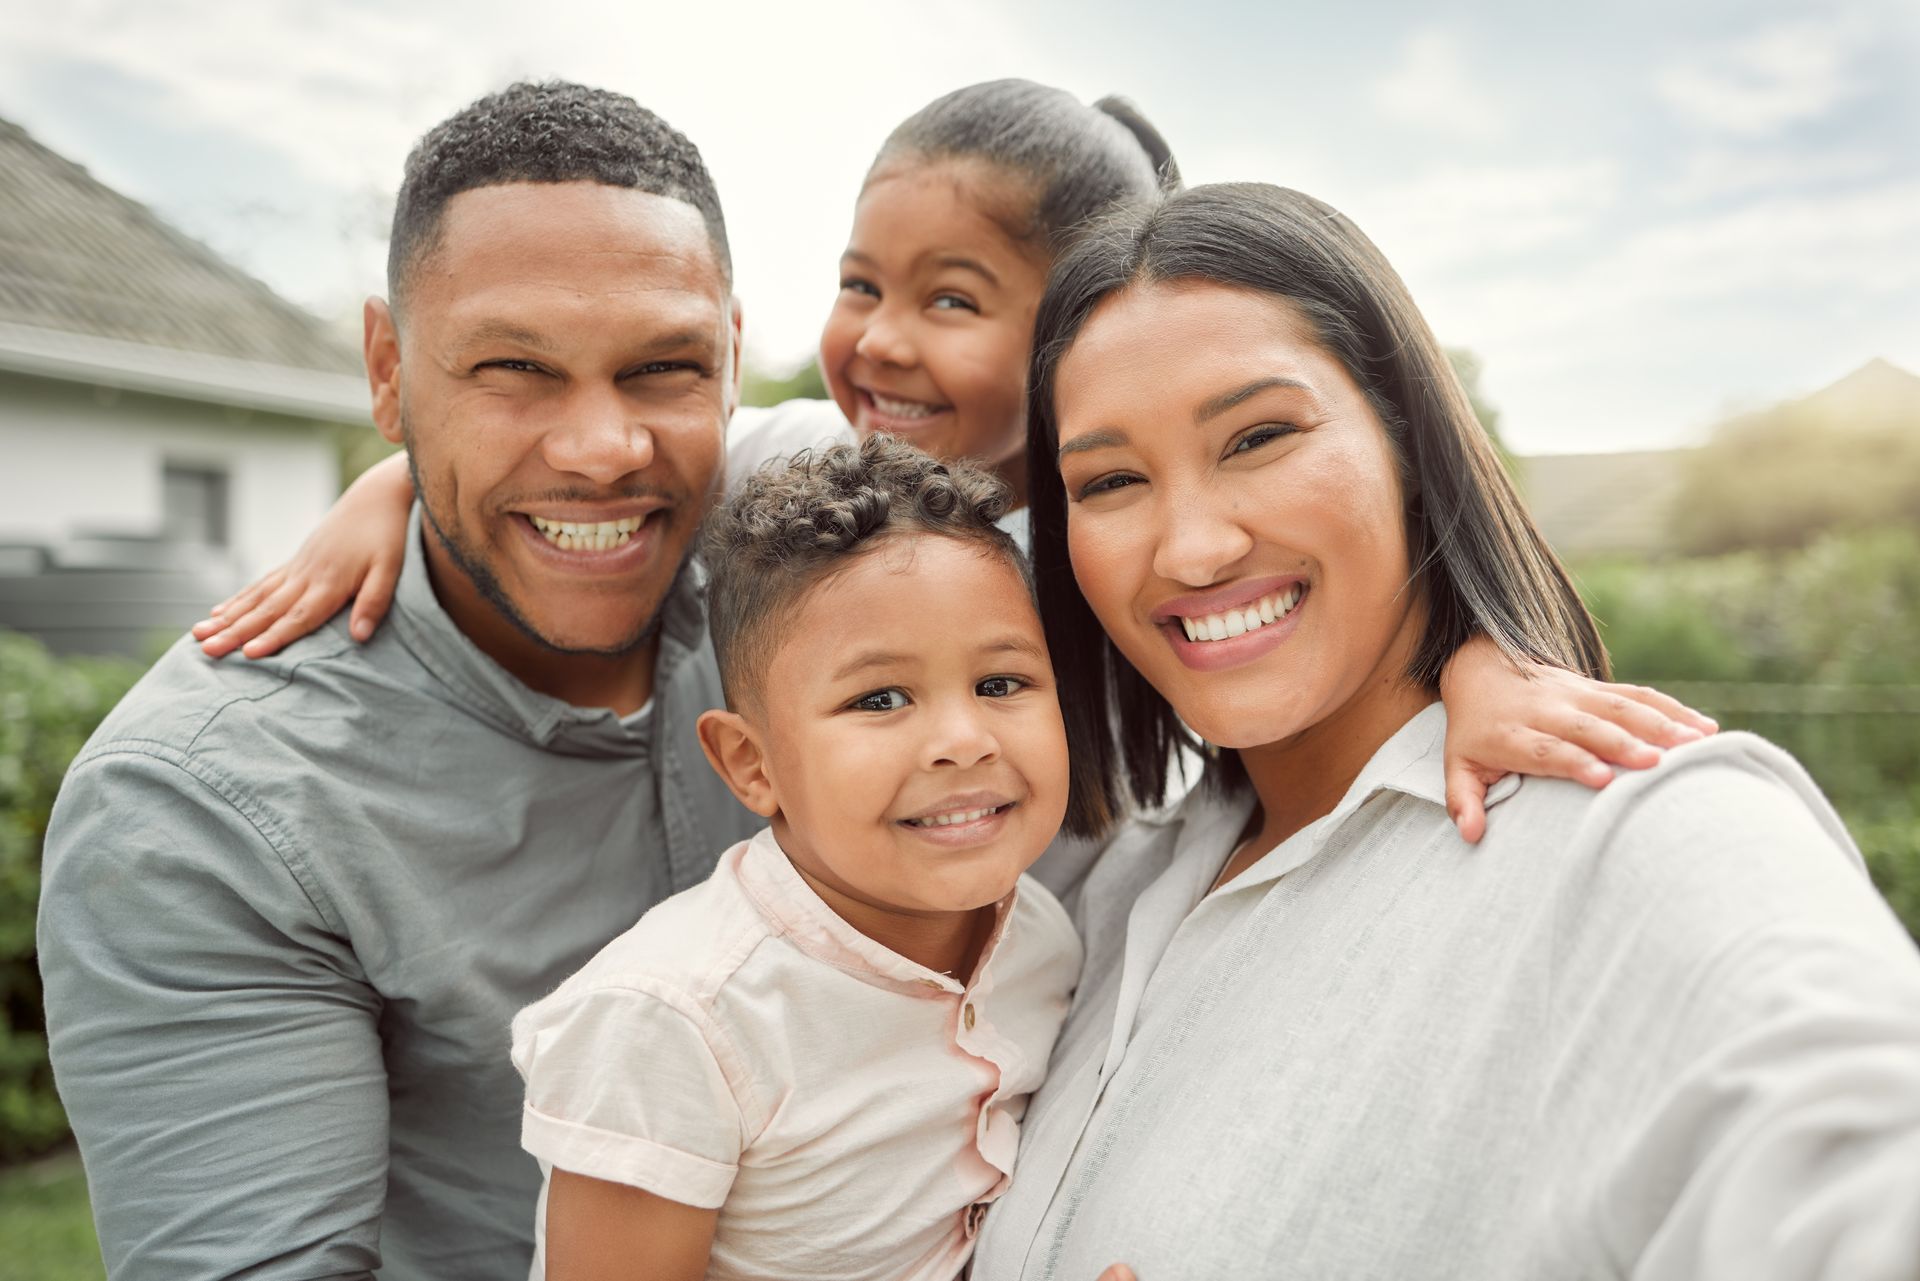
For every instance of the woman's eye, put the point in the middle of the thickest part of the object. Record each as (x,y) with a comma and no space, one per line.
(881,700)
(855,285)
(1260,436)
(999,686)
(1106,485)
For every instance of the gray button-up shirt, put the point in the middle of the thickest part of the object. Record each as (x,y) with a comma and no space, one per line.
(290,907)
(1665,1031)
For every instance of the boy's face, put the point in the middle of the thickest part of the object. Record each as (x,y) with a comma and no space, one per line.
(910,735)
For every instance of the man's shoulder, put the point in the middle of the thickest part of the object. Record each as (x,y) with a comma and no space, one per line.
(191,707)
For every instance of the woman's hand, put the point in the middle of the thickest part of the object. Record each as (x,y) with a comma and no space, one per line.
(1546,721)
(355,554)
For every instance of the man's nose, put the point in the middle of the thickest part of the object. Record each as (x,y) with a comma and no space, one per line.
(598,436)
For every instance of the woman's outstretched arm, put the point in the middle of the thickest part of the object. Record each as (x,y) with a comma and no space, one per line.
(1546,721)
(355,553)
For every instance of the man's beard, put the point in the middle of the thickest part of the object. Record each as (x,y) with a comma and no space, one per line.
(481,575)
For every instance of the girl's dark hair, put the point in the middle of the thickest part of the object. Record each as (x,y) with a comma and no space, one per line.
(1479,563)
(796,521)
(1075,160)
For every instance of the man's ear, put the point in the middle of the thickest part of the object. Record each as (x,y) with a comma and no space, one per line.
(382,347)
(739,360)
(733,749)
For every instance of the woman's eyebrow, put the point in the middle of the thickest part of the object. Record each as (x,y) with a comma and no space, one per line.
(1105,438)
(1217,405)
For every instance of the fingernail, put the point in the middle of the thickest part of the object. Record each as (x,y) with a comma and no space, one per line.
(1687,733)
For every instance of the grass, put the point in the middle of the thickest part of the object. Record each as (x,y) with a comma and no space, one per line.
(46,1224)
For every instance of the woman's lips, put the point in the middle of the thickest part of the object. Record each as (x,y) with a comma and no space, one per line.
(1236,651)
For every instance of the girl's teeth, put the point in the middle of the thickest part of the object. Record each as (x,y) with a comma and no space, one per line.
(902,408)
(588,536)
(1246,618)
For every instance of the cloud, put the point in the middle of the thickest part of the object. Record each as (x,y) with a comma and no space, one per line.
(1472,212)
(1783,75)
(1432,90)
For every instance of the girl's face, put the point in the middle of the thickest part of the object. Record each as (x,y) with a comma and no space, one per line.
(929,336)
(1235,516)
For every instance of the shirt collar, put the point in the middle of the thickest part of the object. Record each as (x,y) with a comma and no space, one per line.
(495,695)
(796,912)
(1412,761)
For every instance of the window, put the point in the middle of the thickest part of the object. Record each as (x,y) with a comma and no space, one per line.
(193,505)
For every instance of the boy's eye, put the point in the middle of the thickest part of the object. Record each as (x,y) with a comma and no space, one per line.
(1261,435)
(881,700)
(999,686)
(853,284)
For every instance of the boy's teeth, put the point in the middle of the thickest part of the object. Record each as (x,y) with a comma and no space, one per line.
(589,536)
(902,408)
(1246,618)
(948,820)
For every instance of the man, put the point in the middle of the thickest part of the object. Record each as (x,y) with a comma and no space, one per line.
(289,907)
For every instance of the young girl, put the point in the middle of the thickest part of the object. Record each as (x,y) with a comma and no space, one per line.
(960,217)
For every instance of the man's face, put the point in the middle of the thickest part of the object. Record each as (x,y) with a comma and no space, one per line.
(567,357)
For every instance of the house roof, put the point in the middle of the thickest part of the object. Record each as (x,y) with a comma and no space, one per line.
(95,286)
(1604,503)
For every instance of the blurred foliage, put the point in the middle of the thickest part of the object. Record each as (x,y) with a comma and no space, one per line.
(48,707)
(1467,367)
(759,387)
(1820,626)
(1844,459)
(358,448)
(47,1224)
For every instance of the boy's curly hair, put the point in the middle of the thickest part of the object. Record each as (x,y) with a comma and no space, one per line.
(798,520)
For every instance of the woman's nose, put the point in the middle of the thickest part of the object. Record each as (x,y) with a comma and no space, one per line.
(1199,540)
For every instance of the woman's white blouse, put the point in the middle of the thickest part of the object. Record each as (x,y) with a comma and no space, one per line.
(1666,1031)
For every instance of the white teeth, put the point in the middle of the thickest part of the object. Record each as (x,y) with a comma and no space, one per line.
(902,408)
(588,536)
(948,820)
(1243,619)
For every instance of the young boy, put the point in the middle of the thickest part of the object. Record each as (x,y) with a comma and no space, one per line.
(814,1064)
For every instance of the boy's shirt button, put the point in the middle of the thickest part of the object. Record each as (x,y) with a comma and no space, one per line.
(967,1016)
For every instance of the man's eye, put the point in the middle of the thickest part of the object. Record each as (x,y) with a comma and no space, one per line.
(512,366)
(668,367)
(999,686)
(881,700)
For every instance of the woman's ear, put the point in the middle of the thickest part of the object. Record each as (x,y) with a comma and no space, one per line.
(733,749)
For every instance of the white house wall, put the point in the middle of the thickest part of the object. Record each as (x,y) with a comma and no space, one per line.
(77,459)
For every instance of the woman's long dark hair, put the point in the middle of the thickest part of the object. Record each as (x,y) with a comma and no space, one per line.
(1479,563)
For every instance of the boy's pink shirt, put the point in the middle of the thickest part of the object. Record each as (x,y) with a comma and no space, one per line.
(850,1111)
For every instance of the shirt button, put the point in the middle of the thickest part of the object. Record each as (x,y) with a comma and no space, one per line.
(967,1016)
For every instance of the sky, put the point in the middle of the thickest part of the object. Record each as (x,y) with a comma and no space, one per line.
(1641,220)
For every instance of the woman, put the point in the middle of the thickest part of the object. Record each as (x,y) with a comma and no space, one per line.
(1664,1030)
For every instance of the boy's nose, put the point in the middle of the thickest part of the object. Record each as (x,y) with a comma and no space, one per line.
(962,738)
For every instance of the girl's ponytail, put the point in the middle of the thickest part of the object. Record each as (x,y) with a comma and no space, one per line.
(1073,162)
(1158,152)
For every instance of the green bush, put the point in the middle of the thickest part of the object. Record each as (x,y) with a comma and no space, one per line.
(48,706)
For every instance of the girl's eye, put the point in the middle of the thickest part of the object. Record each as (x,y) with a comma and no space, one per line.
(1260,436)
(881,700)
(855,285)
(1106,485)
(953,302)
(999,686)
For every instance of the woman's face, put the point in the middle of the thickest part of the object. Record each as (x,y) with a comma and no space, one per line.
(1235,515)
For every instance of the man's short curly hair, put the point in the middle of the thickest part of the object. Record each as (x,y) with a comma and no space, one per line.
(551,131)
(797,521)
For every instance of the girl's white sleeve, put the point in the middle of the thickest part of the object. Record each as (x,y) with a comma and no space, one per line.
(758,435)
(624,1085)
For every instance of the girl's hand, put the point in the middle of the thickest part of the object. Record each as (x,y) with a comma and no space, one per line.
(354,554)
(1549,722)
